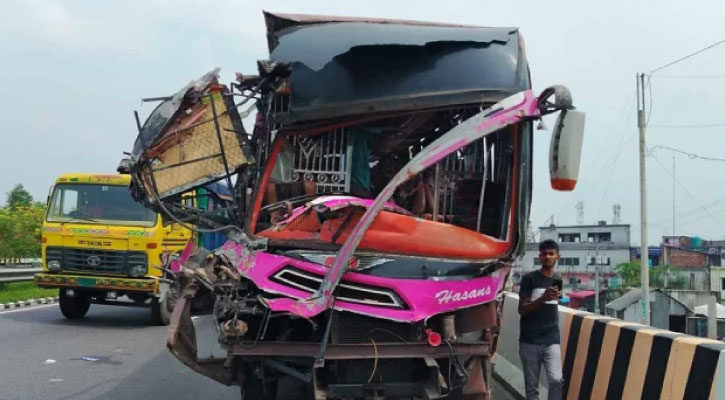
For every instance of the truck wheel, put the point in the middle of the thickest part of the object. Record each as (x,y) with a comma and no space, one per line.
(161,310)
(74,307)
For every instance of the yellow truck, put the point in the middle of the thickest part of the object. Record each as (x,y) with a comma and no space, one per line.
(100,246)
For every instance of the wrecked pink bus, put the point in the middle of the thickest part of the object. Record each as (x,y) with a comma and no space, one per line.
(378,203)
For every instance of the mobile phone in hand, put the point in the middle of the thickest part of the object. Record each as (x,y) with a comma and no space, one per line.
(559,284)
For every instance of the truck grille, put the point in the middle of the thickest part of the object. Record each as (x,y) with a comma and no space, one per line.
(101,261)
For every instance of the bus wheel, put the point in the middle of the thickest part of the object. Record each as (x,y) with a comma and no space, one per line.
(74,307)
(161,309)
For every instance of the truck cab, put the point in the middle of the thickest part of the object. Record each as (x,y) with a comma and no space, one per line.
(100,246)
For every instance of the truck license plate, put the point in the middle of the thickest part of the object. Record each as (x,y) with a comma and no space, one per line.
(86,282)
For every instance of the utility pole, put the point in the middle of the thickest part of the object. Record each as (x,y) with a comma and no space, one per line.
(617,209)
(596,286)
(580,212)
(712,318)
(673,196)
(644,259)
(598,262)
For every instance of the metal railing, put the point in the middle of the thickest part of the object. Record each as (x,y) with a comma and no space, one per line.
(18,274)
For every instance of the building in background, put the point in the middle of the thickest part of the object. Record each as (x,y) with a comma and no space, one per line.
(654,253)
(717,281)
(715,249)
(693,264)
(584,249)
(665,311)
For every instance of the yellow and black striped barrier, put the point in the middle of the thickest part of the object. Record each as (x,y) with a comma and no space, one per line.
(606,359)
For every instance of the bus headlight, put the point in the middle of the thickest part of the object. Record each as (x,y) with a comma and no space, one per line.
(54,265)
(138,270)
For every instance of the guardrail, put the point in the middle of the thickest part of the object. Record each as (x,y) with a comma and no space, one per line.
(18,274)
(606,358)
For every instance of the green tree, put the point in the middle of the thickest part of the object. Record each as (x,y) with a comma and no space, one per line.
(629,272)
(660,276)
(19,197)
(20,231)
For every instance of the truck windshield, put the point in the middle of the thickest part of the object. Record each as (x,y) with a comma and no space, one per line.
(98,204)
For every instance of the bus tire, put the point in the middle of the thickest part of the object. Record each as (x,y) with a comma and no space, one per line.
(74,307)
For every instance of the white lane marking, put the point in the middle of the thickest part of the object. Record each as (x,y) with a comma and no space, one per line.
(27,308)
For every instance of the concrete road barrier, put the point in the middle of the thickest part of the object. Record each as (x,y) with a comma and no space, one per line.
(606,358)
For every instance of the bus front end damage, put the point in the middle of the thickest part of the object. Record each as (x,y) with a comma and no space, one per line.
(375,216)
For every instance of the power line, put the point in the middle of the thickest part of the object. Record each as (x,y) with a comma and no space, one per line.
(687,191)
(596,171)
(649,77)
(625,107)
(715,125)
(689,77)
(681,222)
(649,89)
(691,212)
(611,168)
(685,218)
(692,156)
(687,56)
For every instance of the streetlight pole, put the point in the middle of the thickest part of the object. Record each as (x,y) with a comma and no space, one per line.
(644,259)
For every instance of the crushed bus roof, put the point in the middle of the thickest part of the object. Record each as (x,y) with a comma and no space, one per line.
(340,66)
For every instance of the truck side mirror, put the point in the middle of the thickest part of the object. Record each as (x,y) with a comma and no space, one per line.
(50,194)
(565,149)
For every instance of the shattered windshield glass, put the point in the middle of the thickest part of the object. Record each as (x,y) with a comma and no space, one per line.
(302,200)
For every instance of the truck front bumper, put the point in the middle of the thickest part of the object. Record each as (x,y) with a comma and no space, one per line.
(97,282)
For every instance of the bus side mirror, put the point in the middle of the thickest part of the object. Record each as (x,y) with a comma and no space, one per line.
(565,149)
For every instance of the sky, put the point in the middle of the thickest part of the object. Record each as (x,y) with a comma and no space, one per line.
(72,72)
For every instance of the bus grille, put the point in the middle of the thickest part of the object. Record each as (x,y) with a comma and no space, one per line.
(355,328)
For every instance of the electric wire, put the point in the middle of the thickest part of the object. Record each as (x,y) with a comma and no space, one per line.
(375,363)
(610,164)
(687,191)
(689,76)
(691,212)
(687,56)
(386,331)
(620,151)
(648,85)
(675,126)
(692,156)
(685,217)
(688,220)
(597,170)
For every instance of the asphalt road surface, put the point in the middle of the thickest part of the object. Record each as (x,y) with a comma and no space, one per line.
(111,354)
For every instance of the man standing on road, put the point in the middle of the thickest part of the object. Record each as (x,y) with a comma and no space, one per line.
(539,341)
